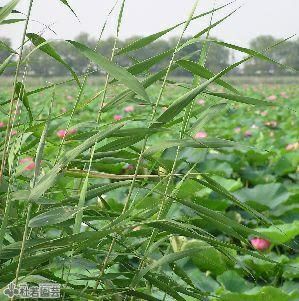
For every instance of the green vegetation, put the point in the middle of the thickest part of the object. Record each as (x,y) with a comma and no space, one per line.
(218,59)
(140,185)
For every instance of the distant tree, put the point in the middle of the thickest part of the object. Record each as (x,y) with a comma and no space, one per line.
(41,64)
(258,66)
(218,57)
(286,53)
(151,50)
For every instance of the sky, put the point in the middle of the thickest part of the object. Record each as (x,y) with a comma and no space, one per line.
(144,17)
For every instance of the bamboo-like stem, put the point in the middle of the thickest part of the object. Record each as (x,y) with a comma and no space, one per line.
(185,122)
(37,168)
(144,145)
(114,240)
(165,206)
(126,205)
(135,176)
(9,129)
(98,175)
(79,215)
(102,269)
(8,205)
(82,199)
(85,78)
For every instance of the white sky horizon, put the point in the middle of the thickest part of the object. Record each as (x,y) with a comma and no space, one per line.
(144,17)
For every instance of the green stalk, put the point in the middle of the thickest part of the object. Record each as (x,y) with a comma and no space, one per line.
(8,135)
(8,203)
(81,202)
(8,207)
(155,108)
(82,88)
(165,206)
(8,129)
(127,202)
(196,81)
(185,123)
(126,205)
(38,158)
(83,193)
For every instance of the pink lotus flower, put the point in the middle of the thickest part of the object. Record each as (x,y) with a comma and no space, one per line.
(264,113)
(129,109)
(64,133)
(63,110)
(272,97)
(69,97)
(200,135)
(260,244)
(284,95)
(61,133)
(72,131)
(237,130)
(2,124)
(201,102)
(117,117)
(30,165)
(292,146)
(13,132)
(248,134)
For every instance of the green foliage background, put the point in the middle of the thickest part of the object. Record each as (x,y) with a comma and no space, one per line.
(138,207)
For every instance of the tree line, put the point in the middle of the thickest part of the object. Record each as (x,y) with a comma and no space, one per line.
(39,64)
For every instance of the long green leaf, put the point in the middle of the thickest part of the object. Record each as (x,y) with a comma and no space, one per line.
(7,9)
(12,21)
(148,63)
(121,74)
(20,93)
(142,42)
(242,98)
(165,260)
(203,143)
(201,71)
(4,46)
(4,65)
(53,216)
(212,184)
(44,46)
(251,53)
(187,98)
(207,115)
(67,4)
(48,180)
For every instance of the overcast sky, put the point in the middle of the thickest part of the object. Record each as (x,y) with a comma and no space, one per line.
(144,17)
